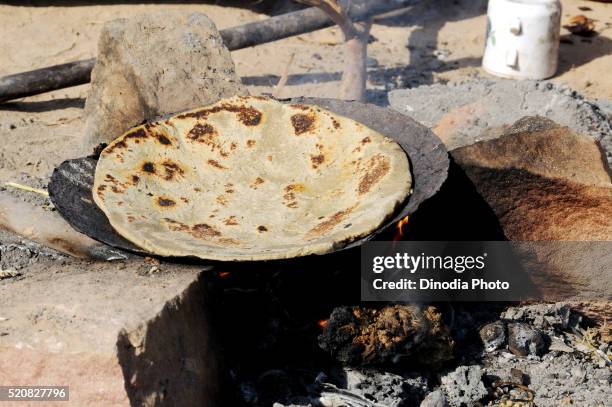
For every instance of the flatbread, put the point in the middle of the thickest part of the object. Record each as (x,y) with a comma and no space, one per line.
(250,178)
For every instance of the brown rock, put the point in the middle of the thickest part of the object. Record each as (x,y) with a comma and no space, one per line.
(155,64)
(547,183)
(532,207)
(115,335)
(541,147)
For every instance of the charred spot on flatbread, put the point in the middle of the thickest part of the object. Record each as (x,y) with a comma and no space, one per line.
(148,167)
(317,160)
(162,139)
(204,231)
(202,133)
(302,123)
(138,134)
(330,222)
(165,202)
(376,169)
(247,115)
(172,170)
(231,221)
(216,164)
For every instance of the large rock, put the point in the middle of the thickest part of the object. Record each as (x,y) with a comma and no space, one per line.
(541,147)
(155,64)
(548,183)
(543,184)
(116,333)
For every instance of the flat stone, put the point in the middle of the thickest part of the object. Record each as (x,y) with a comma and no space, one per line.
(558,345)
(113,332)
(466,112)
(152,65)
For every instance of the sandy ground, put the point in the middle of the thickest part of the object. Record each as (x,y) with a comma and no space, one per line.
(434,42)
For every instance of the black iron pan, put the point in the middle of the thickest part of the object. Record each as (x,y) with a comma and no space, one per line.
(71,183)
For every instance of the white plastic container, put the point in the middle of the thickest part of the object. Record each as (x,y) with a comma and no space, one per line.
(522,38)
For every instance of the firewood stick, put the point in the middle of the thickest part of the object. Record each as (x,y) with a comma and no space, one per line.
(275,28)
(354,76)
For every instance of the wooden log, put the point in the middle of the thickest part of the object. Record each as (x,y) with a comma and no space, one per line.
(356,34)
(272,29)
(45,79)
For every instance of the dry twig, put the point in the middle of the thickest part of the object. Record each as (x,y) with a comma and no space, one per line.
(27,188)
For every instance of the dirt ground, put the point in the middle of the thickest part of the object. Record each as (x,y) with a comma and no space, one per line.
(434,42)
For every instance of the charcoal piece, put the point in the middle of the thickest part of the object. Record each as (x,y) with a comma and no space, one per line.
(493,336)
(524,340)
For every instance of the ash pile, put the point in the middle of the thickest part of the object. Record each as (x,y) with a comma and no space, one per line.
(280,353)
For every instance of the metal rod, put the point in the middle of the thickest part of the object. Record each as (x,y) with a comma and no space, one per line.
(275,28)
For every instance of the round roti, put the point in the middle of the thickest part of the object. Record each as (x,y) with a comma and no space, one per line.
(250,178)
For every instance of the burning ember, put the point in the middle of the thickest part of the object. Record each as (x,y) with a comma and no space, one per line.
(400,228)
(323,323)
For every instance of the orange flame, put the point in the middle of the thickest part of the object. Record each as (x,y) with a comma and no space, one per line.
(224,274)
(400,228)
(323,323)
